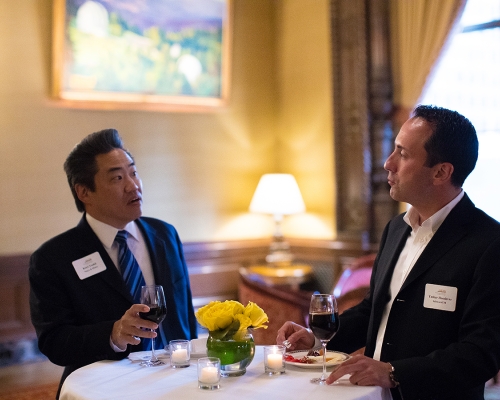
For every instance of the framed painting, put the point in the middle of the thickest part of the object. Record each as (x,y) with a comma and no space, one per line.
(142,54)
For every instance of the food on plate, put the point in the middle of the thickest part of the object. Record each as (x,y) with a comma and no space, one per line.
(330,358)
(302,360)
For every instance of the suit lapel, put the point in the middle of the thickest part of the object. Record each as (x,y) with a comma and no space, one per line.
(157,251)
(397,235)
(383,268)
(449,233)
(89,244)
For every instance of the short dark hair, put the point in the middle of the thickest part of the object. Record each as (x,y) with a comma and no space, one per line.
(81,165)
(453,140)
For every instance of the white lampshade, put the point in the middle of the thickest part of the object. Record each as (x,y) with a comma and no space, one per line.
(277,194)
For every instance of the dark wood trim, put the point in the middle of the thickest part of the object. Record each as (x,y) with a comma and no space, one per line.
(15,320)
(252,251)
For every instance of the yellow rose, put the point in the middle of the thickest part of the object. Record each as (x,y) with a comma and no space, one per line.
(225,318)
(235,306)
(213,317)
(245,322)
(219,315)
(256,315)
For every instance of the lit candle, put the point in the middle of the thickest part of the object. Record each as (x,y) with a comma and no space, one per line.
(275,361)
(180,356)
(209,375)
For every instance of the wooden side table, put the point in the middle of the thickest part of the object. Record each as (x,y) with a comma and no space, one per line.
(292,275)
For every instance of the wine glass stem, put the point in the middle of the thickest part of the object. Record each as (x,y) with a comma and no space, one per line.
(153,355)
(323,343)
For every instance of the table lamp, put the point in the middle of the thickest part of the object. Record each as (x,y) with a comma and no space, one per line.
(278,195)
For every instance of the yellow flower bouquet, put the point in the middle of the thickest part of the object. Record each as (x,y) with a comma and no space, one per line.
(226,319)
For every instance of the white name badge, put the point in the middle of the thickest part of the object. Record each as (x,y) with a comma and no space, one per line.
(89,265)
(440,297)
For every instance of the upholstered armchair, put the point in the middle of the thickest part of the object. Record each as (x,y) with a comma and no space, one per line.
(280,303)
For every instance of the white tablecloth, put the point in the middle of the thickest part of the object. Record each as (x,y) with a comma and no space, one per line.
(126,379)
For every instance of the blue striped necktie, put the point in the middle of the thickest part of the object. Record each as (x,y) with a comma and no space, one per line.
(132,275)
(129,267)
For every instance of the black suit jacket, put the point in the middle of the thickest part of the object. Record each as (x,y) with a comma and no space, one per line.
(436,354)
(74,318)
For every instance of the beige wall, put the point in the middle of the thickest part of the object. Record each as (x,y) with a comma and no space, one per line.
(199,169)
(305,139)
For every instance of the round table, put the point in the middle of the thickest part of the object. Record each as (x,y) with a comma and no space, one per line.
(126,379)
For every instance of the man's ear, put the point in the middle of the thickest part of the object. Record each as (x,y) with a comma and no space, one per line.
(82,192)
(443,172)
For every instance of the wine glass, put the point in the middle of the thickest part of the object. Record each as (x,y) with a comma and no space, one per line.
(324,323)
(154,298)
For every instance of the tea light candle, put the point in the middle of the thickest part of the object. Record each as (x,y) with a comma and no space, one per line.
(275,361)
(179,356)
(209,375)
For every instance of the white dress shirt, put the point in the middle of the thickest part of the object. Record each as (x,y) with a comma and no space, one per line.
(135,241)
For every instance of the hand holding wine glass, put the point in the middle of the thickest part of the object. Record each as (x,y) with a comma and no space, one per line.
(154,298)
(324,323)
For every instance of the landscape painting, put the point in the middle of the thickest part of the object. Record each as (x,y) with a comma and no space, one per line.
(142,52)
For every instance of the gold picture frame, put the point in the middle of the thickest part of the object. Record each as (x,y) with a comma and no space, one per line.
(160,55)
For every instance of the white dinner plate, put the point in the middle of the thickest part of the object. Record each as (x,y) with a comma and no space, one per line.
(337,358)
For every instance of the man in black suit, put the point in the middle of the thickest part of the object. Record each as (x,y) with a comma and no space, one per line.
(431,320)
(85,314)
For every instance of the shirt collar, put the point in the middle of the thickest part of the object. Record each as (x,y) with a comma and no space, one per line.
(435,220)
(107,233)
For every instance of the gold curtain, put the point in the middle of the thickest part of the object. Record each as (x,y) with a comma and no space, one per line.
(419,29)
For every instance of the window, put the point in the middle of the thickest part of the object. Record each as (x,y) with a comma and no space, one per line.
(467,79)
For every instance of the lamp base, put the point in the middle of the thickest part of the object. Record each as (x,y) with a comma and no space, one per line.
(279,254)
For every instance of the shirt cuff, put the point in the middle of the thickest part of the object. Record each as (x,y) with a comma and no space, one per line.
(115,348)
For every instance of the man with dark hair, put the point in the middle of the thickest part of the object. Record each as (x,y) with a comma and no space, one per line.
(81,306)
(431,320)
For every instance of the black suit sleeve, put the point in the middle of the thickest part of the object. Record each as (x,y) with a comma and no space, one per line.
(68,334)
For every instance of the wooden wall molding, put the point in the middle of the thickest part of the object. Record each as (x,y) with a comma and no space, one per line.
(213,270)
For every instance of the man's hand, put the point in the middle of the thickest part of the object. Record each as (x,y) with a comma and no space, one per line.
(127,330)
(364,371)
(299,337)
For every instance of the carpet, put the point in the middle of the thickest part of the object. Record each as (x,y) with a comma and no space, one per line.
(40,392)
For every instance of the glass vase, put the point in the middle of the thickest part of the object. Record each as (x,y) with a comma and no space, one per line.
(235,352)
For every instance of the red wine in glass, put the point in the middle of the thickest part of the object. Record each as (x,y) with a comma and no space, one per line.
(155,314)
(324,324)
(154,297)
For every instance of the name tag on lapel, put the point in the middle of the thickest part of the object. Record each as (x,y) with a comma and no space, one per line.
(89,265)
(440,297)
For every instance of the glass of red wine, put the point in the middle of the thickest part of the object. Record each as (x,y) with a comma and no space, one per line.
(324,323)
(154,298)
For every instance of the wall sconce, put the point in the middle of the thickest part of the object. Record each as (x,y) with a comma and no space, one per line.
(278,195)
